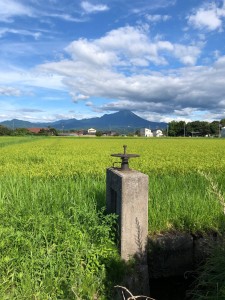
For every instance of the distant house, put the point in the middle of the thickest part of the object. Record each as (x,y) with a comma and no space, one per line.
(157,133)
(146,132)
(34,130)
(92,131)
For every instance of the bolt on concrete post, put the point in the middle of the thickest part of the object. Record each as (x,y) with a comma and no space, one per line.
(127,196)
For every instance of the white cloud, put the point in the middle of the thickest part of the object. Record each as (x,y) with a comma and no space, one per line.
(30,110)
(77,97)
(185,111)
(130,46)
(11,8)
(122,72)
(4,31)
(28,80)
(188,55)
(90,8)
(174,92)
(9,91)
(89,103)
(139,7)
(65,17)
(86,51)
(157,18)
(209,17)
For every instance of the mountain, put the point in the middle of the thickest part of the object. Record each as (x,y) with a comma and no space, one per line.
(15,123)
(123,119)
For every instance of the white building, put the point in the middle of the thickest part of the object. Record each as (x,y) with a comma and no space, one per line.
(91,131)
(157,133)
(222,132)
(146,132)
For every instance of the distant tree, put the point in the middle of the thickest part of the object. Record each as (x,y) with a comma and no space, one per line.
(214,127)
(137,132)
(206,128)
(201,128)
(181,128)
(173,128)
(48,131)
(21,131)
(53,131)
(5,131)
(222,122)
(188,129)
(99,133)
(195,128)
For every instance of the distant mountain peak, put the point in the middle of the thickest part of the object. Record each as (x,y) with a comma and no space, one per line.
(123,119)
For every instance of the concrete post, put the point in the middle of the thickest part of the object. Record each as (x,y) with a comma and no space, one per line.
(127,196)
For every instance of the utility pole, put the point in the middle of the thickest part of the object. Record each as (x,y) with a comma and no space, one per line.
(184,129)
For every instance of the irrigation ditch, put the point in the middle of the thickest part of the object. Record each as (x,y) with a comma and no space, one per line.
(173,259)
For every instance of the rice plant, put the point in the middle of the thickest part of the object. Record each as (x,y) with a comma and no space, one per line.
(56,242)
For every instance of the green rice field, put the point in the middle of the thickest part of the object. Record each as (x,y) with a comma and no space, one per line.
(56,242)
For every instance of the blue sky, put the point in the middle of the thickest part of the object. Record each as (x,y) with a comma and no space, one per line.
(60,59)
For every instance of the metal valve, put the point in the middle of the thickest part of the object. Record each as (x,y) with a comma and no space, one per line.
(125,158)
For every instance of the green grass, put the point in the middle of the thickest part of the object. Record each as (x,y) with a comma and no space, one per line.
(184,203)
(210,284)
(56,241)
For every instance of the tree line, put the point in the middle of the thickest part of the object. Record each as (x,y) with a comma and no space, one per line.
(24,131)
(174,128)
(195,128)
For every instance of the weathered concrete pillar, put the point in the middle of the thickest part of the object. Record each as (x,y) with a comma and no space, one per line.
(127,196)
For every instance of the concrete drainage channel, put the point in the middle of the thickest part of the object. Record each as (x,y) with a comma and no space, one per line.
(173,259)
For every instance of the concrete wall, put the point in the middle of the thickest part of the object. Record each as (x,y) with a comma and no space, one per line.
(177,253)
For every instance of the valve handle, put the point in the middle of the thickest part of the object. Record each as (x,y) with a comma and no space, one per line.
(125,158)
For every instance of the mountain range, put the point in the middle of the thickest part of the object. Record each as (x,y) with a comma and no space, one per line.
(123,119)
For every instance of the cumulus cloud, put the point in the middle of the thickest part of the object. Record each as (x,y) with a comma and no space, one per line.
(209,17)
(171,93)
(121,71)
(130,46)
(181,93)
(84,50)
(90,8)
(188,55)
